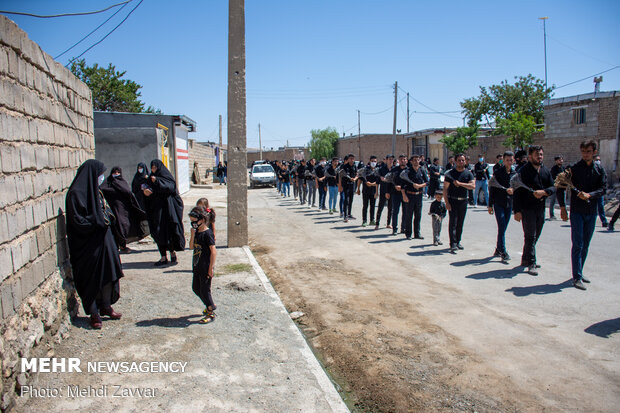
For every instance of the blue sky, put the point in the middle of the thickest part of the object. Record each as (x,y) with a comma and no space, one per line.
(313,64)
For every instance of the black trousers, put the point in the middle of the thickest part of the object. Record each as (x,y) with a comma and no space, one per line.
(201,285)
(532,221)
(413,212)
(397,200)
(162,250)
(382,202)
(349,191)
(433,184)
(457,214)
(104,299)
(368,200)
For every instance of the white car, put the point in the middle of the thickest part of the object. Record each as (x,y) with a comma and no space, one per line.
(262,175)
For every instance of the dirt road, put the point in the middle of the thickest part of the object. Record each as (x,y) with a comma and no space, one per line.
(405,326)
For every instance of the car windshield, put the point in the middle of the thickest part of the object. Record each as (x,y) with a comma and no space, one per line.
(262,168)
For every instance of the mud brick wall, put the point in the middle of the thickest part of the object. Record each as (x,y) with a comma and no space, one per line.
(204,155)
(46,132)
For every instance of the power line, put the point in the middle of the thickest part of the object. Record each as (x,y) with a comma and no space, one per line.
(385,110)
(586,78)
(444,113)
(97,28)
(63,15)
(104,37)
(578,51)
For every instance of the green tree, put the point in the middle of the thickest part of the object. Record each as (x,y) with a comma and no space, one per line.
(323,142)
(498,102)
(111,93)
(461,140)
(518,129)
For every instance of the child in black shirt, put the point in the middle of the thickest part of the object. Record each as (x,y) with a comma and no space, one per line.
(437,213)
(203,243)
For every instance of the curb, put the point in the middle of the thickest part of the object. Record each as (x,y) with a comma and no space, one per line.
(331,395)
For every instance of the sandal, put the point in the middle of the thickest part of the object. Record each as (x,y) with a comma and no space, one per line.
(161,262)
(207,319)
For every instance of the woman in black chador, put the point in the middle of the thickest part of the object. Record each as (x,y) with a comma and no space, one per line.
(125,208)
(164,209)
(92,249)
(139,183)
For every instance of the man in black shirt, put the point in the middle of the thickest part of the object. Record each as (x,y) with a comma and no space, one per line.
(499,160)
(457,182)
(385,188)
(500,203)
(301,181)
(450,163)
(434,173)
(370,187)
(348,182)
(415,180)
(321,182)
(332,184)
(397,195)
(555,171)
(470,192)
(589,182)
(529,204)
(481,172)
(311,182)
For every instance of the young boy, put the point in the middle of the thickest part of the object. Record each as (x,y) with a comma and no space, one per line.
(202,242)
(437,213)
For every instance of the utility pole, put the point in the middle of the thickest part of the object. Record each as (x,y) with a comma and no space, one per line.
(359,136)
(237,130)
(221,158)
(394,128)
(260,144)
(544,19)
(408,112)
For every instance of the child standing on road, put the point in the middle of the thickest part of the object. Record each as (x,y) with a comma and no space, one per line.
(204,204)
(437,213)
(203,243)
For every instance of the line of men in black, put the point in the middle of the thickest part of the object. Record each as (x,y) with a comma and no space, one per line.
(400,185)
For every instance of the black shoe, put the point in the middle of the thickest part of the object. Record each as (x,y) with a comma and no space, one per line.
(439,242)
(459,246)
(537,266)
(585,280)
(394,232)
(453,249)
(579,285)
(173,258)
(604,224)
(531,270)
(418,237)
(161,262)
(610,228)
(505,257)
(497,253)
(409,238)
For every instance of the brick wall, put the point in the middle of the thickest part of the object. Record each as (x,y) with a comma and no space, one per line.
(379,145)
(203,154)
(46,132)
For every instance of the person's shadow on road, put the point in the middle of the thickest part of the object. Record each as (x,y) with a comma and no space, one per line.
(604,328)
(429,252)
(475,261)
(497,274)
(540,289)
(178,322)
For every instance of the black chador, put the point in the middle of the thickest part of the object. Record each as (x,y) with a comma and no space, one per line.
(126,209)
(93,252)
(164,208)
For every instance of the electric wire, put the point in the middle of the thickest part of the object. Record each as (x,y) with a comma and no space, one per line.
(586,78)
(97,28)
(65,14)
(104,37)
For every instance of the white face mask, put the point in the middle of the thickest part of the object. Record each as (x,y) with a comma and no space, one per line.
(140,170)
(323,163)
(100,179)
(481,159)
(597,162)
(116,175)
(373,164)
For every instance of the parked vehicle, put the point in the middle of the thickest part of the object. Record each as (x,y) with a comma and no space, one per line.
(262,175)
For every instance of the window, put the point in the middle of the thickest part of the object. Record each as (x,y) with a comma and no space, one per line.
(579,116)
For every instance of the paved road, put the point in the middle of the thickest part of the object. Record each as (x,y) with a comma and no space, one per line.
(550,343)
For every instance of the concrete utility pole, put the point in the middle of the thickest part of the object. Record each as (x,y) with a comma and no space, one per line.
(544,19)
(237,139)
(260,144)
(221,159)
(359,136)
(394,128)
(408,112)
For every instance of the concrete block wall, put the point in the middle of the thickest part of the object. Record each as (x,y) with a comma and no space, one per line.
(46,132)
(203,154)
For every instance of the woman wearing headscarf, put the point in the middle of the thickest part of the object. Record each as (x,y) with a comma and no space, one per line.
(139,179)
(125,208)
(92,250)
(164,209)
